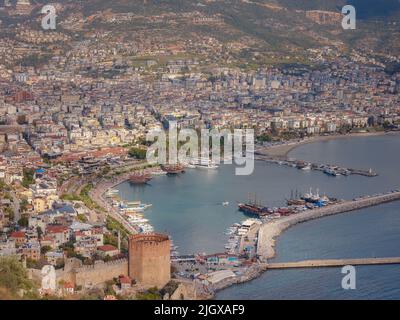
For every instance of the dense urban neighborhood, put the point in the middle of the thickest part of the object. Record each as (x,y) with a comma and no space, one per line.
(76,104)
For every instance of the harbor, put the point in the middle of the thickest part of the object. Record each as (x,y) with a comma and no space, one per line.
(247,240)
(260,233)
(238,259)
(250,243)
(271,230)
(328,169)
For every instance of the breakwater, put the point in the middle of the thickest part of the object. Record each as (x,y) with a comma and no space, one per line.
(270,230)
(332,263)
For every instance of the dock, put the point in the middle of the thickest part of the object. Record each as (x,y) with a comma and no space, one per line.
(332,263)
(300,164)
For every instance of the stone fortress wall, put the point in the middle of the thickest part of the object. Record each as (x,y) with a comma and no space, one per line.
(92,275)
(149,264)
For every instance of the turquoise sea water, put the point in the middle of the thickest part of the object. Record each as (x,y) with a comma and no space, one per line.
(189,207)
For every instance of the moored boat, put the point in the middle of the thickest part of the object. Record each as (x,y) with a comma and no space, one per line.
(173,169)
(139,178)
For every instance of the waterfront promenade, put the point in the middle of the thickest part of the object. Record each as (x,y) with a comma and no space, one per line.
(100,187)
(97,194)
(272,229)
(332,263)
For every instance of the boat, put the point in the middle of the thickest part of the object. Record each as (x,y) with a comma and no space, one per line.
(310,197)
(145,228)
(253,208)
(173,169)
(206,166)
(331,172)
(225,204)
(137,220)
(139,178)
(203,163)
(295,202)
(133,206)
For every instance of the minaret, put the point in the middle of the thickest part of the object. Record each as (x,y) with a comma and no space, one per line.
(119,241)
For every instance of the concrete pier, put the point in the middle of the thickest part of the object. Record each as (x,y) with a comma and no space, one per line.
(332,263)
(314,166)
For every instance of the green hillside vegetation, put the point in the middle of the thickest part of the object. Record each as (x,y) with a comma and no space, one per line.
(14,282)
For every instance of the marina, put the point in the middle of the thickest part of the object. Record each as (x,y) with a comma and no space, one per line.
(328,169)
(202,163)
(133,213)
(296,205)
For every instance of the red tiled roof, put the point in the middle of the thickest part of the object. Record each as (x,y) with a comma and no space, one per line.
(56,229)
(18,234)
(125,280)
(68,285)
(107,247)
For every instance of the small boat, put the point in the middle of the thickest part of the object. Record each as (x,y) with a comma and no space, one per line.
(112,191)
(225,204)
(206,166)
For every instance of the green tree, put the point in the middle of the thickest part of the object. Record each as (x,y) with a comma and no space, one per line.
(23,221)
(81,217)
(28,178)
(137,153)
(150,294)
(23,205)
(45,249)
(9,213)
(13,276)
(264,138)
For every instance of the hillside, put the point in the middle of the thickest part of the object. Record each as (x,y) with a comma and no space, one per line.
(248,27)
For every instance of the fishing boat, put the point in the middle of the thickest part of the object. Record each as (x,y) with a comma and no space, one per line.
(139,178)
